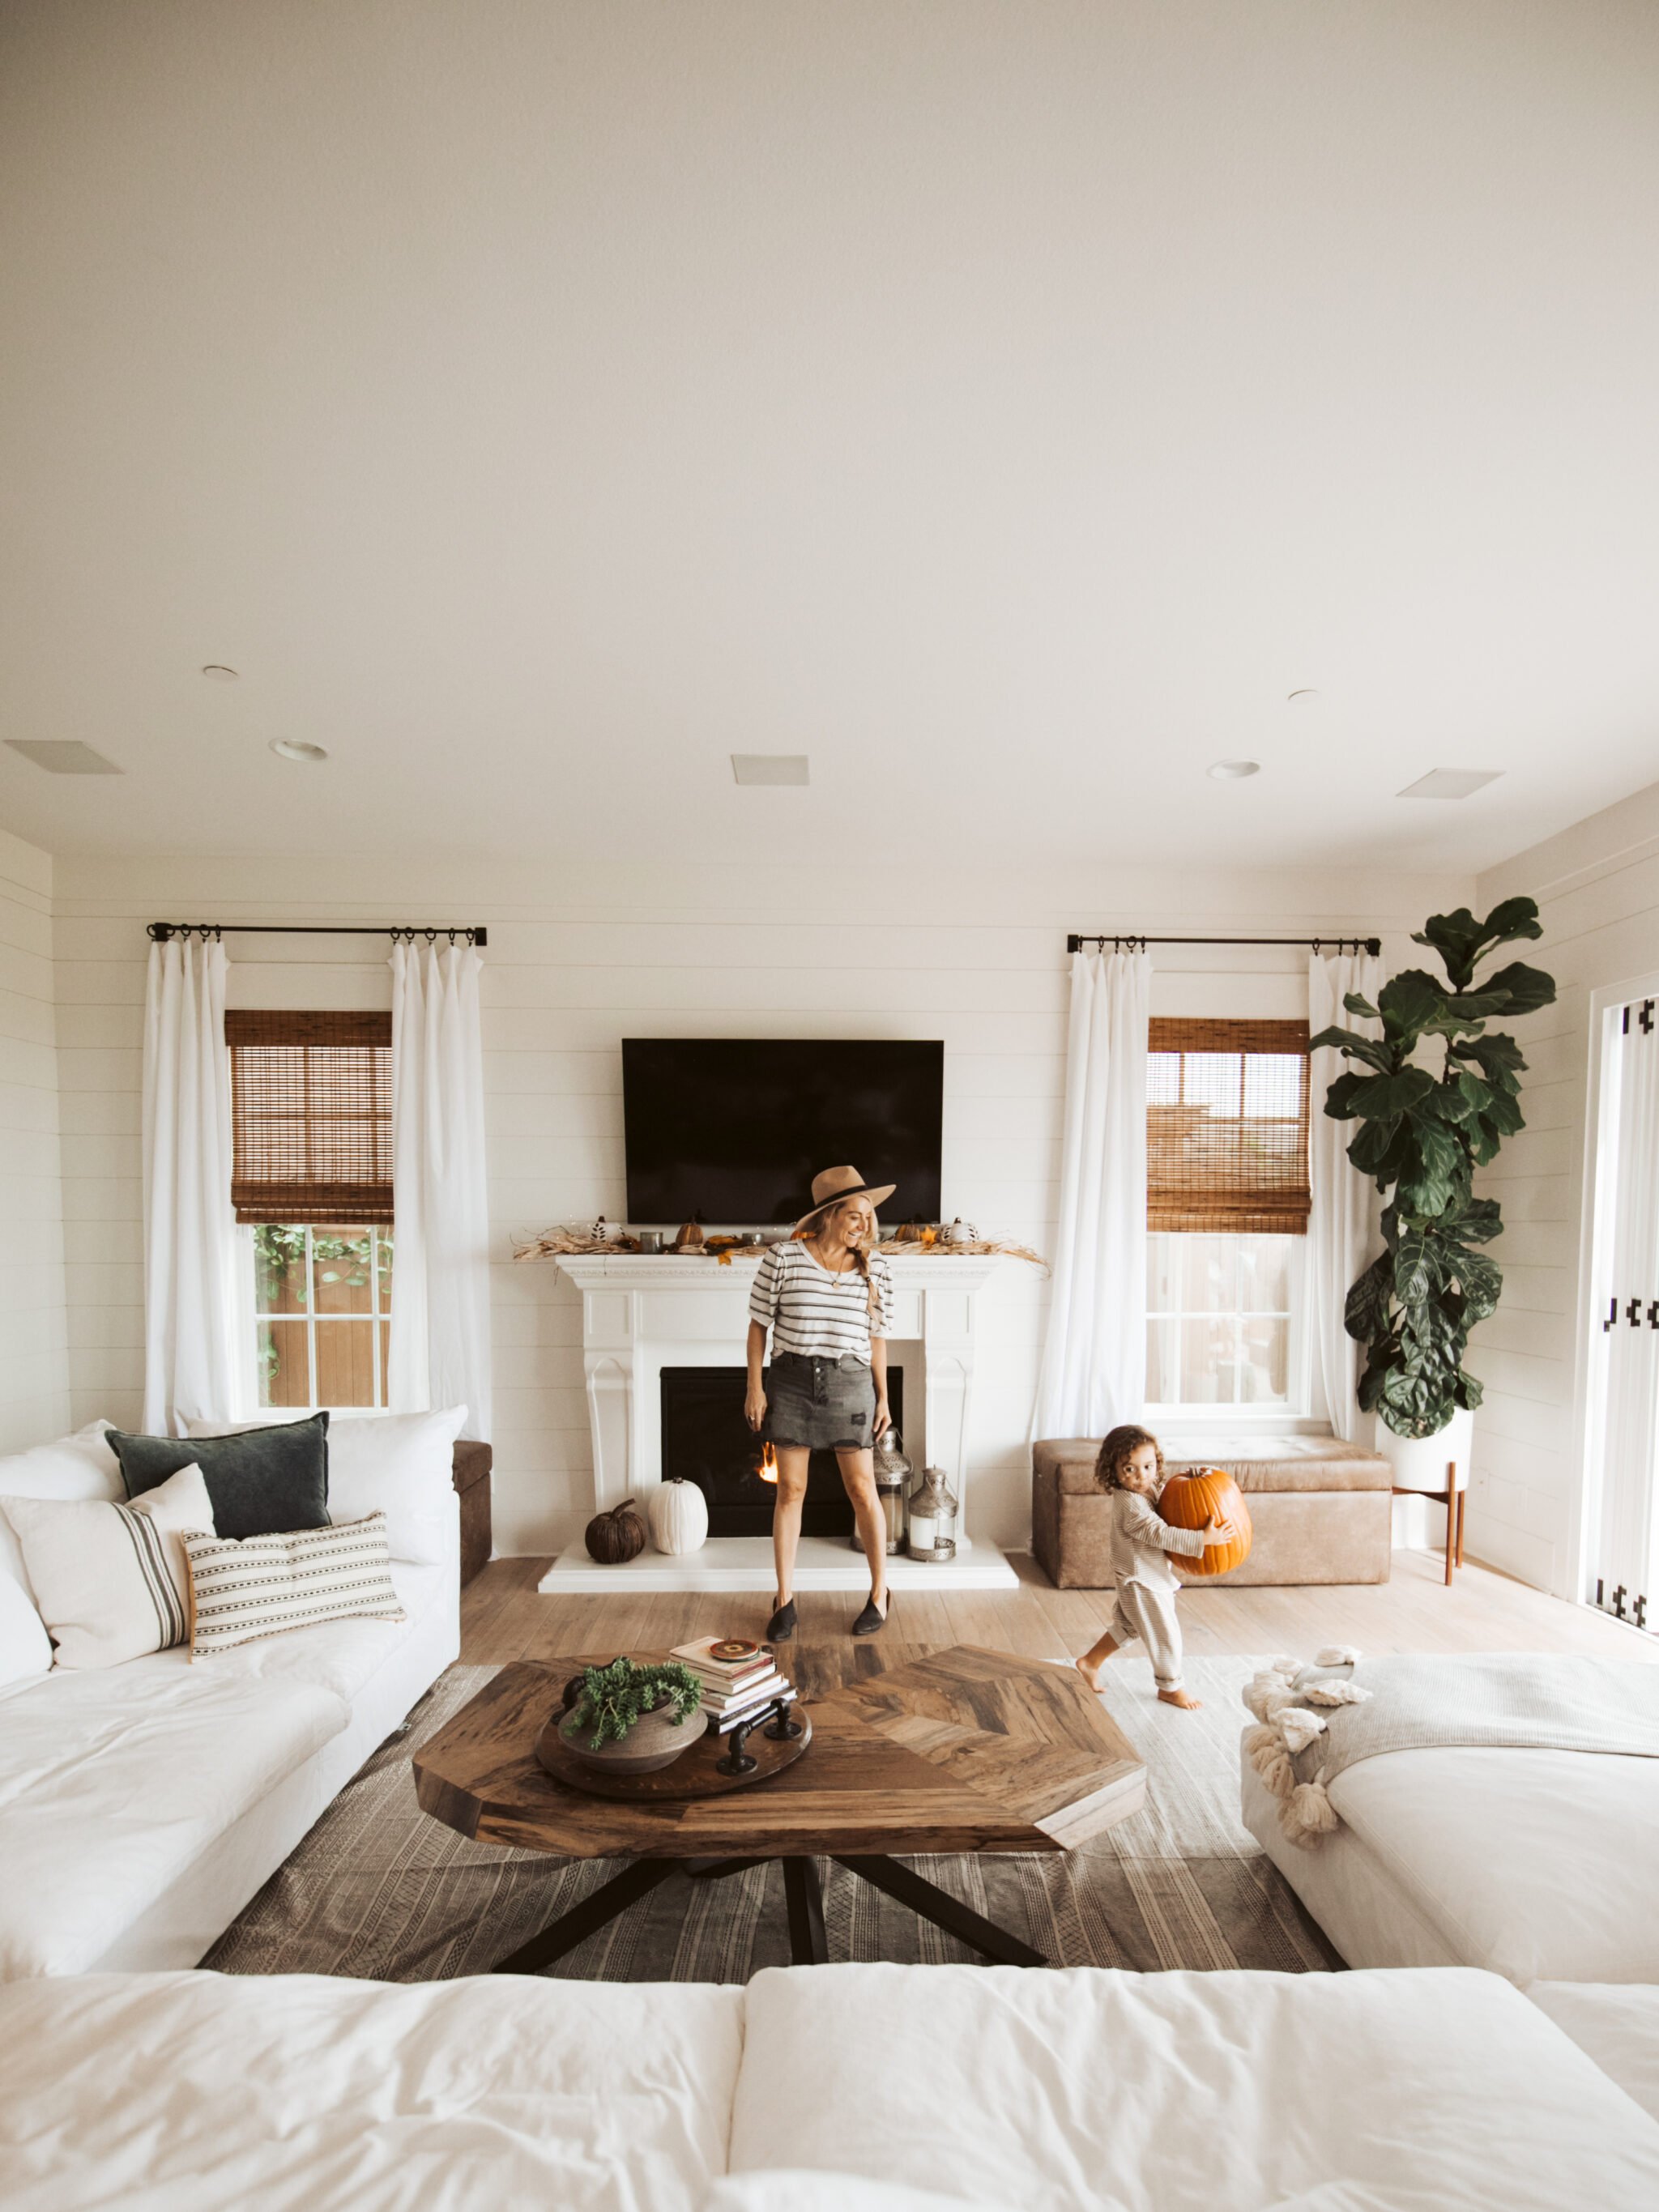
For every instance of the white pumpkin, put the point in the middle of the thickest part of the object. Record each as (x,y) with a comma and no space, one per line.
(679,1514)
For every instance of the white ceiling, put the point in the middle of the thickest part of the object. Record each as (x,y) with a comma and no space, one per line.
(1006,405)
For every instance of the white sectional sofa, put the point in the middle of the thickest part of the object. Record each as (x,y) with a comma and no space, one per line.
(1537,1865)
(856,2088)
(143,1805)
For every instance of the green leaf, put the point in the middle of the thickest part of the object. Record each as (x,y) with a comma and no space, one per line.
(1365,1313)
(1415,1272)
(1409,1002)
(1477,1221)
(1338,1099)
(1385,1098)
(1482,1281)
(1513,918)
(1457,938)
(1494,1055)
(1526,988)
(1353,1046)
(1356,1004)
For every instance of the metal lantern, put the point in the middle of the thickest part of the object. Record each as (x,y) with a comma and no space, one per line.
(893,1471)
(933,1519)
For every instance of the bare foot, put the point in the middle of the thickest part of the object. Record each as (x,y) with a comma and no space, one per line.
(1188,1703)
(1091,1674)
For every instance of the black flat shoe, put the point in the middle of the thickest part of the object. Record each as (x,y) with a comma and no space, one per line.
(781,1626)
(870,1622)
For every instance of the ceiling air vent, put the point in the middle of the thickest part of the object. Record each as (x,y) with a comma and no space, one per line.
(64,757)
(769,767)
(1451,783)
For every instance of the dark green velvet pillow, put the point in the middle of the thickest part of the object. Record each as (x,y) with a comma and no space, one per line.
(262,1482)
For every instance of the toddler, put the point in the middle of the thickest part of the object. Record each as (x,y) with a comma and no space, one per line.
(1130,1469)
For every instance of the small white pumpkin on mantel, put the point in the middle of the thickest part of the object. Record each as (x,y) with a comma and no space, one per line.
(679,1514)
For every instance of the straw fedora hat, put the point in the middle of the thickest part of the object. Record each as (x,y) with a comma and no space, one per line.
(836,1184)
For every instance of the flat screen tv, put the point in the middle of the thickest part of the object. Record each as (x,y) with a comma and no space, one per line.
(733,1129)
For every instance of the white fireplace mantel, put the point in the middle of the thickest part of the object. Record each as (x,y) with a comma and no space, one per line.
(641,1313)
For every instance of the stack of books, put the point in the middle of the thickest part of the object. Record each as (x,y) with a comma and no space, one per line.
(739,1678)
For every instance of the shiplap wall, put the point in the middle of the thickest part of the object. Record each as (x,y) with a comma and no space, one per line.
(582,953)
(1597,886)
(34,1341)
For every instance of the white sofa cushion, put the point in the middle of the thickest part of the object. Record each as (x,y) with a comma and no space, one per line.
(1617,2024)
(340,1655)
(25,1646)
(1183,2091)
(187,2092)
(1569,1898)
(113,1782)
(398,1464)
(110,1580)
(81,1466)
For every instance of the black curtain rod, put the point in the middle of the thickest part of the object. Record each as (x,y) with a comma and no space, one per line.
(161,931)
(1119,938)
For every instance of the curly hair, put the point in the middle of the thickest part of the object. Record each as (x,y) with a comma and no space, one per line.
(1119,1448)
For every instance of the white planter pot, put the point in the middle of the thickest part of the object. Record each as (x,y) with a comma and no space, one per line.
(1419,1463)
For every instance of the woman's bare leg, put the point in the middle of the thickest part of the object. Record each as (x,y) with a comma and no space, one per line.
(858,1477)
(786,1516)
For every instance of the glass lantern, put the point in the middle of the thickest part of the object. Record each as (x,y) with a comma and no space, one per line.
(933,1519)
(893,1471)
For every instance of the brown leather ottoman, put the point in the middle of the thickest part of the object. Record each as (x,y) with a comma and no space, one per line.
(1320,1509)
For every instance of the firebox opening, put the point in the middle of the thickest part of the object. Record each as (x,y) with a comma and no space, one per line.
(706,1440)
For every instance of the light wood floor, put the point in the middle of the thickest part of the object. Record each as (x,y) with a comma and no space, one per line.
(503,1617)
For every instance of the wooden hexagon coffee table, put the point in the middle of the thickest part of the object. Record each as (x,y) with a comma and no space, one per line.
(966,1750)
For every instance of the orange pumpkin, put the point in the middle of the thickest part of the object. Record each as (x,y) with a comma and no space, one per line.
(1190,1500)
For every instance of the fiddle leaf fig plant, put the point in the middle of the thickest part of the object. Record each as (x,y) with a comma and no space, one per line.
(1422,1135)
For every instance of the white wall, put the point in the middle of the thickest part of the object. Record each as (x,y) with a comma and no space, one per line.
(583,951)
(1597,886)
(33,1351)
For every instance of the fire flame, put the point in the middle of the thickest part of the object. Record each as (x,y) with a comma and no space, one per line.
(767,1469)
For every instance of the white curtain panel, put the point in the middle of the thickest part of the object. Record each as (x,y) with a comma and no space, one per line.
(191,1366)
(1343,1232)
(440,1353)
(1094,1357)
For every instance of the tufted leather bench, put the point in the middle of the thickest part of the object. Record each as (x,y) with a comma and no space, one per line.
(1320,1509)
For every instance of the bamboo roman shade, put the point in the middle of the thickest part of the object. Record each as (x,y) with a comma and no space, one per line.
(1227,1126)
(311,1116)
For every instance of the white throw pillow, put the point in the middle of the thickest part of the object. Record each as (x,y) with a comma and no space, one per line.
(25,1646)
(264,1585)
(398,1464)
(81,1466)
(111,1580)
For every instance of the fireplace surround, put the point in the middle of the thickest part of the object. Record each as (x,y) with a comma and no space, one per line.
(641,1313)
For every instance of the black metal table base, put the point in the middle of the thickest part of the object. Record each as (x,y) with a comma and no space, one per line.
(803,1901)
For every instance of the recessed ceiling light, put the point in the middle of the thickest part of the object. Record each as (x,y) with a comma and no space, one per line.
(64,757)
(1301,698)
(219,673)
(297,749)
(1235,771)
(768,768)
(1451,783)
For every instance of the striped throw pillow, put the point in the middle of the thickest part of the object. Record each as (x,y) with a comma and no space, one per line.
(264,1585)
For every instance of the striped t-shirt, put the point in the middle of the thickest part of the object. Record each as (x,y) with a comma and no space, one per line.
(812,1310)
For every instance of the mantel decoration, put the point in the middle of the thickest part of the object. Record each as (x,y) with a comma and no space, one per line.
(915,1240)
(932,1519)
(631,1719)
(1423,1135)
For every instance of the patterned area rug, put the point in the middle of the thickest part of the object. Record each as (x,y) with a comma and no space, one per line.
(379,1891)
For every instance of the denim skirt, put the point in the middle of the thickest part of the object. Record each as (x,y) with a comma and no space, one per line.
(820,1403)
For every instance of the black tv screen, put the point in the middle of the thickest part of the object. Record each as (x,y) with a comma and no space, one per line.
(733,1129)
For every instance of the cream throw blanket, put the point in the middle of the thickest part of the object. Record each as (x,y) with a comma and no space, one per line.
(1315,1722)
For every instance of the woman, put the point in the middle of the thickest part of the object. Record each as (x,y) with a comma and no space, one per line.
(827,1296)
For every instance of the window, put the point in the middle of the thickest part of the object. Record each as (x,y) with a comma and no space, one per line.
(1227,1207)
(322,1301)
(311,1178)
